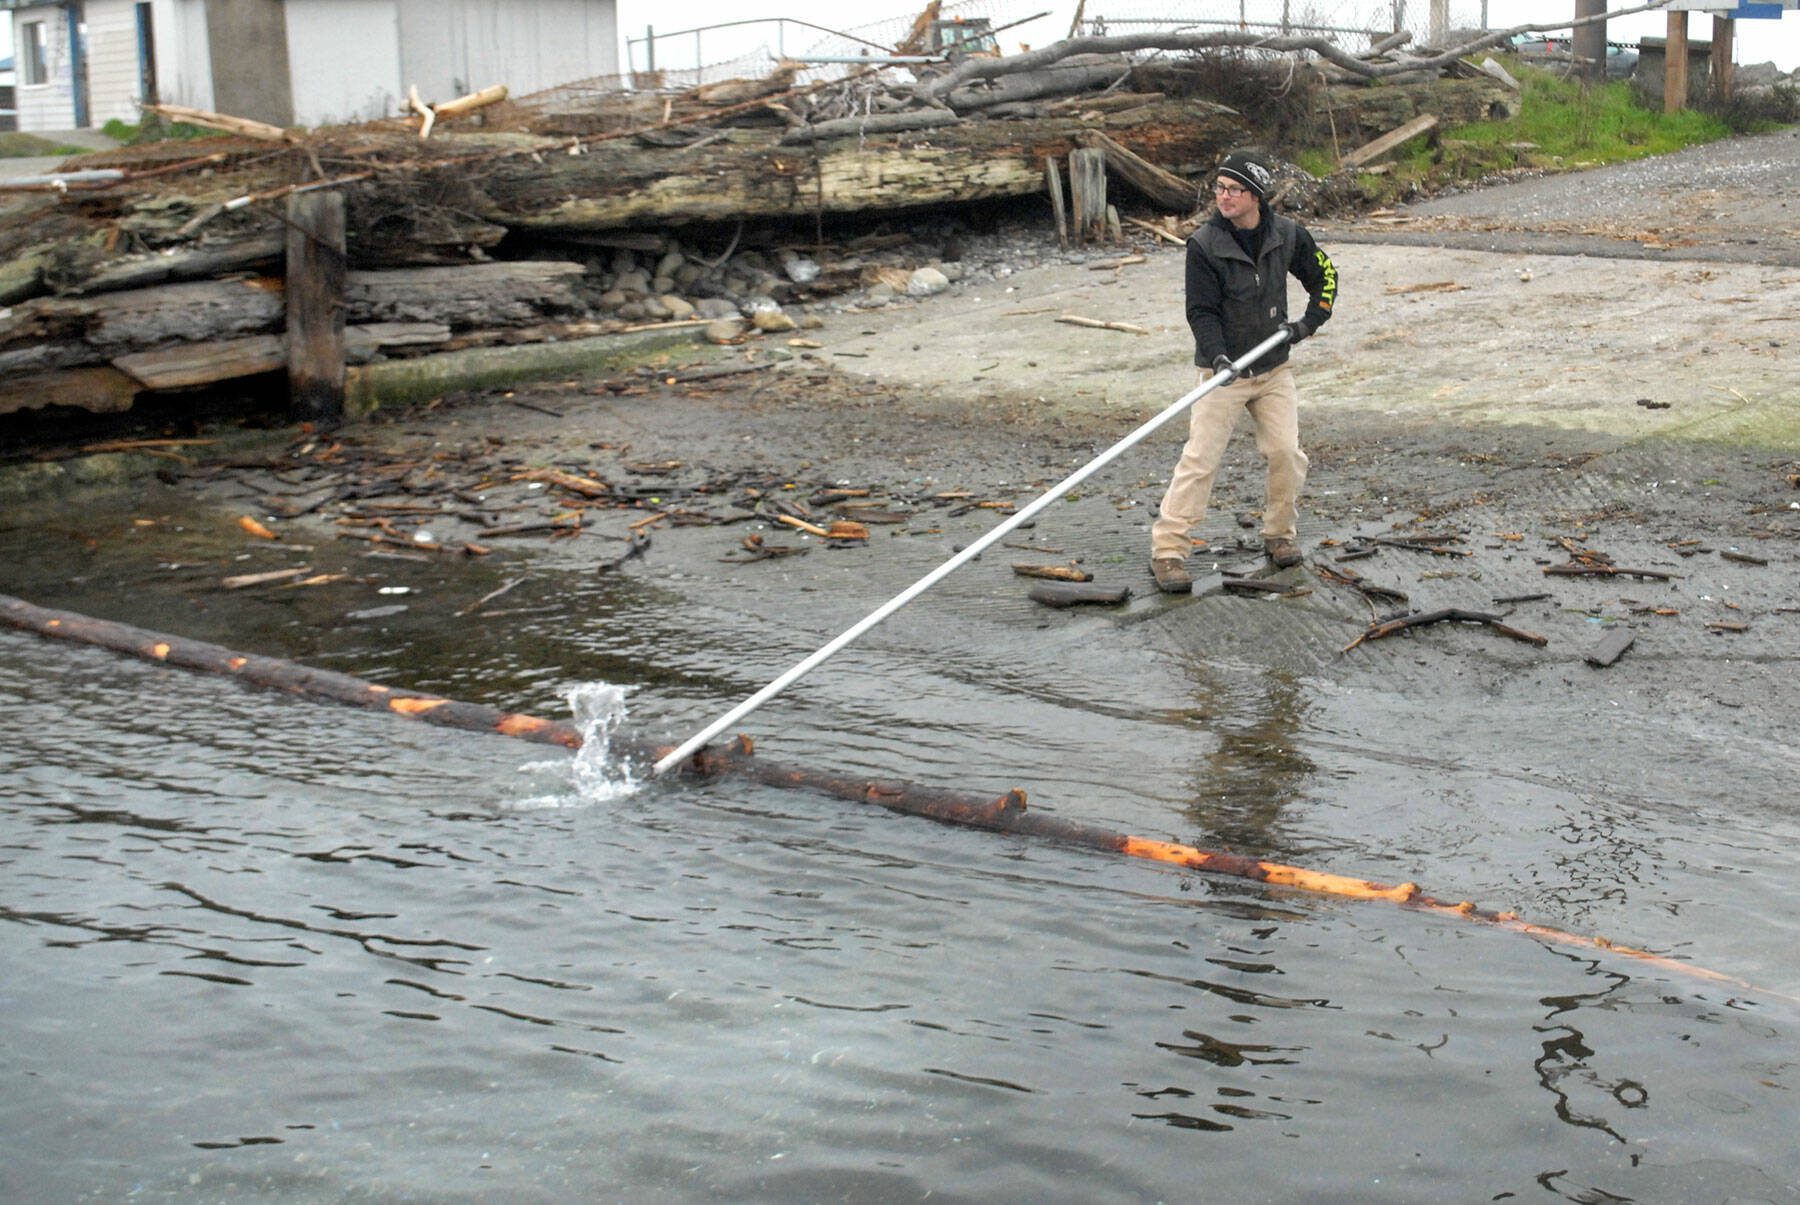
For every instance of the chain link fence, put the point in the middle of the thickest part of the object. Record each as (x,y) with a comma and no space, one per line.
(678,60)
(1355,26)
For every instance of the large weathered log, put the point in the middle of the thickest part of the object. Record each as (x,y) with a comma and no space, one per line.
(1079,73)
(751,175)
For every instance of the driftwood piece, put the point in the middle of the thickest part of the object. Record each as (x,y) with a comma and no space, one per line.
(184,263)
(98,390)
(260,130)
(1066,573)
(1165,188)
(1371,151)
(1455,614)
(1070,594)
(1058,206)
(1097,324)
(875,124)
(1087,194)
(1594,569)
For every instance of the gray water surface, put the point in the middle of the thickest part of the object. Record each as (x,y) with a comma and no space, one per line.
(259,947)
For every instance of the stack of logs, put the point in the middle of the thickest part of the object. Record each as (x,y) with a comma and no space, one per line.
(180,264)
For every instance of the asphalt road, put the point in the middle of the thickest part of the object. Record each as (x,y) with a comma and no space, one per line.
(1732,201)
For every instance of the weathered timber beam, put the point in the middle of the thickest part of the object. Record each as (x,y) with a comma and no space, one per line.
(616,184)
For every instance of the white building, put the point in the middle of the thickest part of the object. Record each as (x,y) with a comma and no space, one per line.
(293,62)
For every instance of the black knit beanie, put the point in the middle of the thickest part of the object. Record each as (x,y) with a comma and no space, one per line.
(1248,172)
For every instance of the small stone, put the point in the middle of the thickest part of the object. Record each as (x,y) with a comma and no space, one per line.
(680,309)
(926,282)
(756,303)
(656,308)
(811,322)
(800,269)
(632,282)
(724,330)
(771,321)
(880,294)
(667,265)
(715,307)
(611,300)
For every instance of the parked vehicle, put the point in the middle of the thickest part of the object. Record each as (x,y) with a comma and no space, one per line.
(1621,57)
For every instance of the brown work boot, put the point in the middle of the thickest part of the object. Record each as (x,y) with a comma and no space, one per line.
(1171,575)
(1282,551)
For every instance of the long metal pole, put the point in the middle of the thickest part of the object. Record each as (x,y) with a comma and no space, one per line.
(699,739)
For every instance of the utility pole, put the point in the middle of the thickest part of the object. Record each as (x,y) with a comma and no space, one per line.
(1589,42)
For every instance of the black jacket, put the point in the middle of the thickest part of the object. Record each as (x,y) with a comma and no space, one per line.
(1233,304)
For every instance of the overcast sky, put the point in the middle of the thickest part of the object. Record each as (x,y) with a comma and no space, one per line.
(1757,41)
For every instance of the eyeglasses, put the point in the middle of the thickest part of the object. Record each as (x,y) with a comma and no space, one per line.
(1230,190)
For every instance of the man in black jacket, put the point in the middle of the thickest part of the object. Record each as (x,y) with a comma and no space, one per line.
(1237,269)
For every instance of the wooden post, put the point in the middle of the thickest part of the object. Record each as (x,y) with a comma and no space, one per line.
(316,273)
(1675,67)
(1723,77)
(1087,193)
(1058,211)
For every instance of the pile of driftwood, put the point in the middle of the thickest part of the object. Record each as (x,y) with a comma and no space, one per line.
(168,266)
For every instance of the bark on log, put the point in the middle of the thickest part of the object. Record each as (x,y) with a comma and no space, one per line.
(616,185)
(1072,75)
(874,124)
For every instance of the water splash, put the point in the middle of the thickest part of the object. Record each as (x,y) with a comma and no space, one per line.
(596,774)
(600,775)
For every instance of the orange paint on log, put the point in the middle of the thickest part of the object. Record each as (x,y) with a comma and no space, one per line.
(254,528)
(239,662)
(160,651)
(514,724)
(414,705)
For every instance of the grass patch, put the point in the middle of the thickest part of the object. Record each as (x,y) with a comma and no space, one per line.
(154,129)
(1587,125)
(14,145)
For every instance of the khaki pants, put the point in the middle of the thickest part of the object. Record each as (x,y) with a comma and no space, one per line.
(1274,408)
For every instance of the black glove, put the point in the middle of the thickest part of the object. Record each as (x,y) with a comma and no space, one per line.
(1222,364)
(1296,331)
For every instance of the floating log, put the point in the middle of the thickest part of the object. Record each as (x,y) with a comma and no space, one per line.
(1008,813)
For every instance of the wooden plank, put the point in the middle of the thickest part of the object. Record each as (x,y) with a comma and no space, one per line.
(1163,187)
(1058,209)
(316,272)
(1389,141)
(188,364)
(99,390)
(1087,194)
